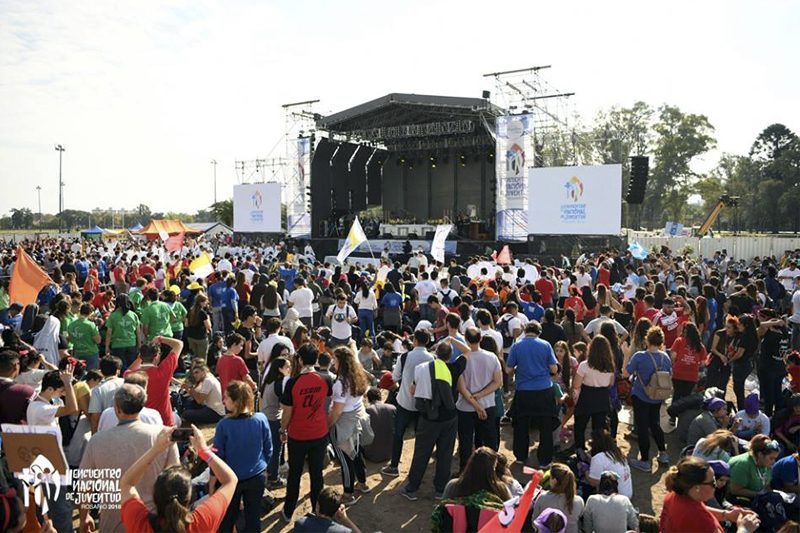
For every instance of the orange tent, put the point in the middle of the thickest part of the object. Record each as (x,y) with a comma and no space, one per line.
(27,280)
(171,227)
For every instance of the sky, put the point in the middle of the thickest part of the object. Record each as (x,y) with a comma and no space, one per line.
(143,95)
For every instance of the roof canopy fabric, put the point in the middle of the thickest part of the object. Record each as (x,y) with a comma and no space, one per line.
(171,227)
(94,230)
(136,227)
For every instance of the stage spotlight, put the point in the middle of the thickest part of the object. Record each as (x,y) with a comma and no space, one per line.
(410,164)
(490,157)
(400,161)
(462,159)
(433,161)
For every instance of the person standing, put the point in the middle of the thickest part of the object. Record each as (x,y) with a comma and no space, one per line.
(591,390)
(406,415)
(102,396)
(341,316)
(534,363)
(688,355)
(302,298)
(304,427)
(159,373)
(198,326)
(85,338)
(367,304)
(647,411)
(123,331)
(156,317)
(482,376)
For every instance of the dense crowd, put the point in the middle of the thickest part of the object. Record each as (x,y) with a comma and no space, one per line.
(293,364)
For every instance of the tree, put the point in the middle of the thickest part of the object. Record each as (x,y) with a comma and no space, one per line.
(21,218)
(143,213)
(223,211)
(771,143)
(680,137)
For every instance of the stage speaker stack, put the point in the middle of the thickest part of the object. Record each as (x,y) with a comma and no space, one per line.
(637,185)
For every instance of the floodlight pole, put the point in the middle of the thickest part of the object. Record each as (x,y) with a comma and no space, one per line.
(60,149)
(214,162)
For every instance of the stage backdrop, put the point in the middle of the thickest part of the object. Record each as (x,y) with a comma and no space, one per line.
(575,200)
(257,208)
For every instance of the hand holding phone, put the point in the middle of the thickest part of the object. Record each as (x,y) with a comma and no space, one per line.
(181,434)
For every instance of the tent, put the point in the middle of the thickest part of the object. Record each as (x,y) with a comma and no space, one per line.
(171,227)
(135,227)
(92,233)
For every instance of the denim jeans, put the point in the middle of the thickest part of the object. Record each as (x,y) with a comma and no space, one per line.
(250,491)
(277,450)
(127,354)
(366,321)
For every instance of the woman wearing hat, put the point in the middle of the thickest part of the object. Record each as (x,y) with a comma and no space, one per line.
(713,418)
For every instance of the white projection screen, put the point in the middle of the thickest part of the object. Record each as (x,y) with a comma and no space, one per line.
(583,200)
(257,208)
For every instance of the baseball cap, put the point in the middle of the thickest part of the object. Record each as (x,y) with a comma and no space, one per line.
(490,292)
(720,468)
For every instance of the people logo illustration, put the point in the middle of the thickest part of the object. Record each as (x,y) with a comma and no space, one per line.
(574,187)
(257,199)
(40,477)
(515,160)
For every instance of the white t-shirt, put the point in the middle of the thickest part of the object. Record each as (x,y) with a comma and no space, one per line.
(602,462)
(583,280)
(593,327)
(594,378)
(631,283)
(340,325)
(425,289)
(301,299)
(108,419)
(368,302)
(493,333)
(33,378)
(350,402)
(564,284)
(42,413)
(795,318)
(211,386)
(468,323)
(265,347)
(759,424)
(790,275)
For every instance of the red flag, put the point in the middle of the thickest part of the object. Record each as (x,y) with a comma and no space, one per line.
(504,257)
(27,280)
(174,243)
(512,518)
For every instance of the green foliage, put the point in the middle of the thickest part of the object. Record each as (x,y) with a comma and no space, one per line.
(223,211)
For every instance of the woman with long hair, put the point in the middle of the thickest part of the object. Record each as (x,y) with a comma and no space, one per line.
(367,304)
(605,297)
(346,421)
(691,483)
(172,492)
(742,360)
(243,288)
(608,330)
(391,304)
(607,456)
(479,474)
(771,365)
(688,355)
(573,328)
(574,302)
(591,389)
(701,316)
(123,331)
(590,302)
(300,336)
(659,295)
(198,327)
(718,446)
(638,339)
(243,439)
(723,347)
(562,496)
(271,390)
(272,301)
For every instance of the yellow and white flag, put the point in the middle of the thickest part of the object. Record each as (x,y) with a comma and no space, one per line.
(354,239)
(201,267)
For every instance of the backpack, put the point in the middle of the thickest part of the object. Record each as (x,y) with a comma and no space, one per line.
(440,399)
(660,385)
(505,331)
(445,298)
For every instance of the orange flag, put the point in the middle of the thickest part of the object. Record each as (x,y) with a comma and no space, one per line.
(27,280)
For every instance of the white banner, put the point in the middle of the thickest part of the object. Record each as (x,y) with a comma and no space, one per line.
(257,208)
(297,215)
(514,157)
(584,200)
(439,238)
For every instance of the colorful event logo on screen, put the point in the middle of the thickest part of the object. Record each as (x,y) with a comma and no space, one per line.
(257,200)
(574,187)
(515,160)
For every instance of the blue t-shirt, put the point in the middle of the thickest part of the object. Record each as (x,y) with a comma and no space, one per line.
(533,311)
(532,357)
(712,314)
(216,292)
(82,267)
(642,364)
(288,275)
(784,472)
(47,294)
(456,352)
(391,300)
(245,443)
(229,297)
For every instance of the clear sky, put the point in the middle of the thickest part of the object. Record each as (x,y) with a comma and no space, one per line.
(144,94)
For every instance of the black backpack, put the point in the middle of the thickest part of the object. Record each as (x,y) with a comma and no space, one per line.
(445,298)
(505,331)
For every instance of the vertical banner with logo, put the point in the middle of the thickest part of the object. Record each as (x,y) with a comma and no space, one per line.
(514,156)
(298,219)
(439,239)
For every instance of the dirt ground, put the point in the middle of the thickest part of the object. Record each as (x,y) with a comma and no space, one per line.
(385,510)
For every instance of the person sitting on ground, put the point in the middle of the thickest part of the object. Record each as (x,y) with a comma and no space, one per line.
(607,510)
(480,474)
(172,492)
(204,405)
(550,521)
(722,474)
(713,418)
(381,418)
(691,483)
(606,456)
(330,516)
(562,496)
(751,472)
(752,420)
(719,446)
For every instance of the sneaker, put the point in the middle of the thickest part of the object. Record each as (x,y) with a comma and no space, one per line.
(284,517)
(643,466)
(349,499)
(663,458)
(276,483)
(363,488)
(411,496)
(438,495)
(390,471)
(673,421)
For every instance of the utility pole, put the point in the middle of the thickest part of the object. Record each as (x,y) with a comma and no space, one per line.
(214,162)
(39,194)
(60,149)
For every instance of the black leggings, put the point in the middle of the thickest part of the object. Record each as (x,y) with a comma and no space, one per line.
(599,421)
(647,417)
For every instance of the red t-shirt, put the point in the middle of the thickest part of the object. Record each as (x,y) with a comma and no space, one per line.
(147,269)
(306,395)
(119,274)
(207,517)
(230,368)
(576,304)
(794,373)
(669,324)
(639,309)
(158,387)
(681,514)
(545,288)
(650,314)
(604,277)
(687,361)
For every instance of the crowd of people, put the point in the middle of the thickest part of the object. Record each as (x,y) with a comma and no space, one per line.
(288,364)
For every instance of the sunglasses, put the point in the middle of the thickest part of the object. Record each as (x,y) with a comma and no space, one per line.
(712,483)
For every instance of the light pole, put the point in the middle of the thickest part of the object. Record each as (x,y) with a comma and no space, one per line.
(60,149)
(39,194)
(214,162)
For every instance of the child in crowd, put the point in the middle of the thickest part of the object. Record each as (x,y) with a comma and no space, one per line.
(369,359)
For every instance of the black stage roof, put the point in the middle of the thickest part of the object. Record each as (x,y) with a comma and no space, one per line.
(415,122)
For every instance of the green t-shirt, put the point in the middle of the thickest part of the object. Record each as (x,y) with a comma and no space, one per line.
(157,317)
(123,329)
(82,333)
(65,322)
(745,473)
(4,299)
(136,297)
(180,313)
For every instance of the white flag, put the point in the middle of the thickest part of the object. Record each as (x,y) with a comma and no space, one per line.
(437,248)
(354,239)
